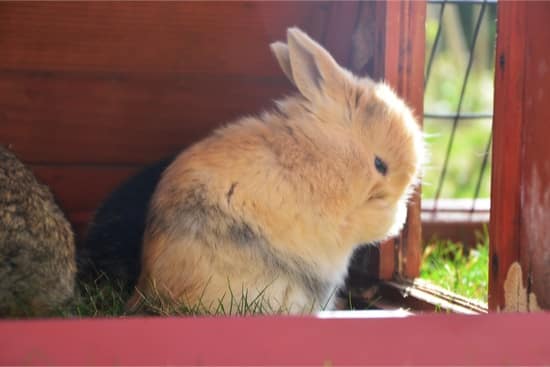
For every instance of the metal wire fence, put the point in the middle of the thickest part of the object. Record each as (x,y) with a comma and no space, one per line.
(461,30)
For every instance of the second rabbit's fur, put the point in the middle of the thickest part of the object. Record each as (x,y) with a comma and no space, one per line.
(274,206)
(37,249)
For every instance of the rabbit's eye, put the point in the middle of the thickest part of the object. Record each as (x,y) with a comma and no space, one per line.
(380,166)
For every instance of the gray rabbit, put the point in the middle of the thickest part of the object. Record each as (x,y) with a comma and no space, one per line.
(37,249)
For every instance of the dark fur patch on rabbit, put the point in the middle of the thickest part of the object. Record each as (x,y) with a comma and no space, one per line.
(192,214)
(113,243)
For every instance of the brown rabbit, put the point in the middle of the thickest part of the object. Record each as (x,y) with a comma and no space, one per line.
(274,206)
(37,250)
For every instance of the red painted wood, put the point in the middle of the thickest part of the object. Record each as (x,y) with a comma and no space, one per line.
(121,118)
(343,17)
(411,88)
(507,130)
(90,91)
(166,37)
(404,39)
(521,172)
(80,188)
(465,233)
(535,185)
(495,339)
(88,86)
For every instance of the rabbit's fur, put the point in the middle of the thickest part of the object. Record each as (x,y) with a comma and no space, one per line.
(37,250)
(274,206)
(112,247)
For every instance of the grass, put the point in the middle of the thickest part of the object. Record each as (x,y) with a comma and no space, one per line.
(101,298)
(238,304)
(446,264)
(104,298)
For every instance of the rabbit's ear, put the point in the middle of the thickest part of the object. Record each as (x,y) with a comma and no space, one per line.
(314,71)
(280,50)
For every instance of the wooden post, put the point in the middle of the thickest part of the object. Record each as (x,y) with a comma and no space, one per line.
(388,44)
(404,40)
(404,70)
(519,279)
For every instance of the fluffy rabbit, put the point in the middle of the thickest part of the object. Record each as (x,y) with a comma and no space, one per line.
(37,250)
(272,207)
(113,243)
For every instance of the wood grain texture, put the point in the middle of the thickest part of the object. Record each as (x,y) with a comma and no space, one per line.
(507,146)
(521,171)
(340,25)
(404,40)
(122,118)
(127,82)
(367,41)
(367,58)
(168,37)
(80,188)
(535,184)
(92,91)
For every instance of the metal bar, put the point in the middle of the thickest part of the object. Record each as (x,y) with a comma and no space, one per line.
(434,46)
(457,205)
(482,171)
(461,116)
(459,107)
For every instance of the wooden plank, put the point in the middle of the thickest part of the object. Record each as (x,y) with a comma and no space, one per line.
(535,178)
(466,233)
(480,205)
(89,92)
(182,37)
(340,25)
(520,239)
(403,69)
(422,296)
(507,146)
(124,82)
(82,188)
(130,119)
(388,44)
(368,41)
(455,220)
(452,339)
(367,58)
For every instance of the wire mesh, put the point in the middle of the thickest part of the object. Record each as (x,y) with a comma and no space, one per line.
(456,116)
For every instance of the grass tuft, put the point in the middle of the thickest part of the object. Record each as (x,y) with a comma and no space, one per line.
(99,298)
(105,298)
(448,265)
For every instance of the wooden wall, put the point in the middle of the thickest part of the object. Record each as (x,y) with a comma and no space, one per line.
(92,91)
(519,277)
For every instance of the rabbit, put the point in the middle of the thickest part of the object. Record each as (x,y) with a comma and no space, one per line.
(272,207)
(112,246)
(37,247)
